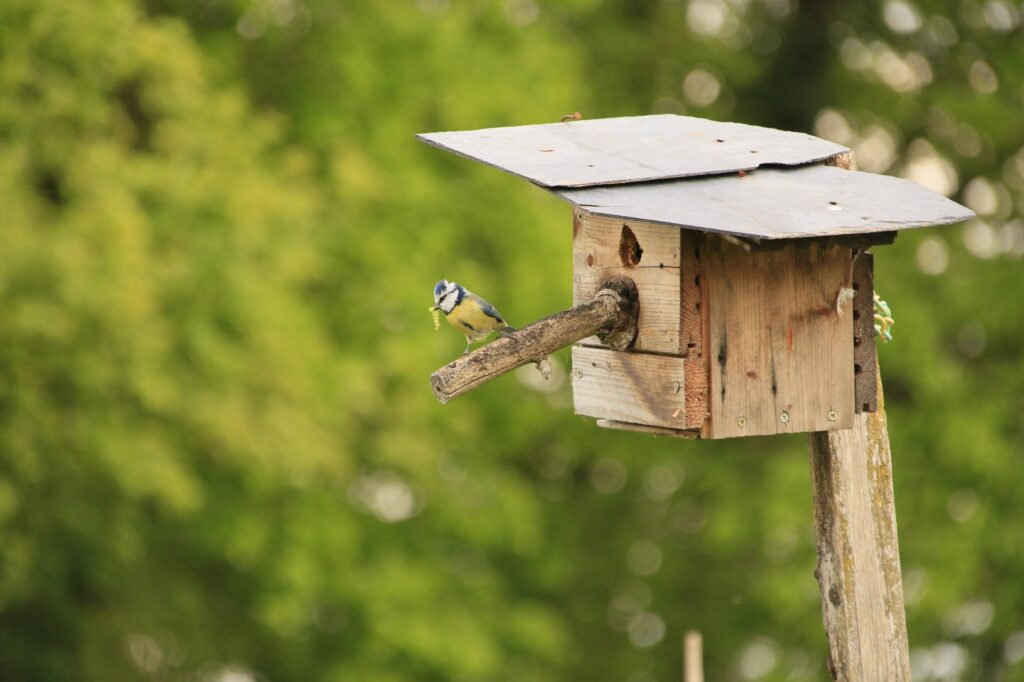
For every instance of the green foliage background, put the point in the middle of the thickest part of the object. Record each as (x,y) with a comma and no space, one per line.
(219,458)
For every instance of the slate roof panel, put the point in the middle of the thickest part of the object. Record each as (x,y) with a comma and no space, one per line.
(767,204)
(631,149)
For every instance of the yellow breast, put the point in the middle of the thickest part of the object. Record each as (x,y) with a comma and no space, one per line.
(470,319)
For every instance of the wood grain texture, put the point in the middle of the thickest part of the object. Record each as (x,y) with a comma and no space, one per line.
(598,254)
(692,327)
(858,552)
(865,352)
(780,351)
(612,313)
(846,160)
(653,430)
(637,388)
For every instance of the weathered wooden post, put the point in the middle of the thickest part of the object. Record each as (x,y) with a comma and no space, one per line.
(748,250)
(693,657)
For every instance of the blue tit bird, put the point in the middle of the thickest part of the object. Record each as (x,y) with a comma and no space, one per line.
(467,312)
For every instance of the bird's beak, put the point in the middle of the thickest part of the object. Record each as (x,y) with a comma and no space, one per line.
(436,307)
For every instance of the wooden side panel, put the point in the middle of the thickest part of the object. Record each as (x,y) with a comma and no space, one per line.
(865,352)
(603,248)
(780,339)
(628,387)
(692,329)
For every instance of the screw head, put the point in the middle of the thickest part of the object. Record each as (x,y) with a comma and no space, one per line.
(784,417)
(741,422)
(578,373)
(675,387)
(833,415)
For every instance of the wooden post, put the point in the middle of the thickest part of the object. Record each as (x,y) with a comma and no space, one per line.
(858,551)
(693,657)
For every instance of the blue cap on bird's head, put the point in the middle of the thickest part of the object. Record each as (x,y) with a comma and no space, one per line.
(440,288)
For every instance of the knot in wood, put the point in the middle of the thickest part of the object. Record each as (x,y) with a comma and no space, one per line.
(620,333)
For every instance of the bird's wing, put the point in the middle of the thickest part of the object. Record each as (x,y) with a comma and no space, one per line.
(486,307)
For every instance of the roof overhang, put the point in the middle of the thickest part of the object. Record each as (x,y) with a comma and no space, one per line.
(735,179)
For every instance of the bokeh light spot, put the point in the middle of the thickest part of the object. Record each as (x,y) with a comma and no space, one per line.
(644,558)
(701,88)
(855,55)
(982,78)
(758,658)
(1013,648)
(971,342)
(433,8)
(251,25)
(981,197)
(385,495)
(901,16)
(832,125)
(928,168)
(966,141)
(707,17)
(521,13)
(145,652)
(646,629)
(980,239)
(662,480)
(876,149)
(1001,15)
(608,475)
(932,256)
(970,618)
(961,505)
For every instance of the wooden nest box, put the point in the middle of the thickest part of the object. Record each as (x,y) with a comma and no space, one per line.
(749,251)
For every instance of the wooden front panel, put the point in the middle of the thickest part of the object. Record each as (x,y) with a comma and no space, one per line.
(779,349)
(629,387)
(646,253)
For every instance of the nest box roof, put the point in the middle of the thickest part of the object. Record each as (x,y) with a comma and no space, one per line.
(612,151)
(812,201)
(685,171)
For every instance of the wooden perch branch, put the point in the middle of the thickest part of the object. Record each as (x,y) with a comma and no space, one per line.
(612,315)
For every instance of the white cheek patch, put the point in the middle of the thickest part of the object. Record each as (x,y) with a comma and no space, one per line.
(448,301)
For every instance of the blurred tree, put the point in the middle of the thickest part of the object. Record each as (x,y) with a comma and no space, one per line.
(218,456)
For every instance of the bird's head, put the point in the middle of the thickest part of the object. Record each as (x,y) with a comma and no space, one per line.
(447,295)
